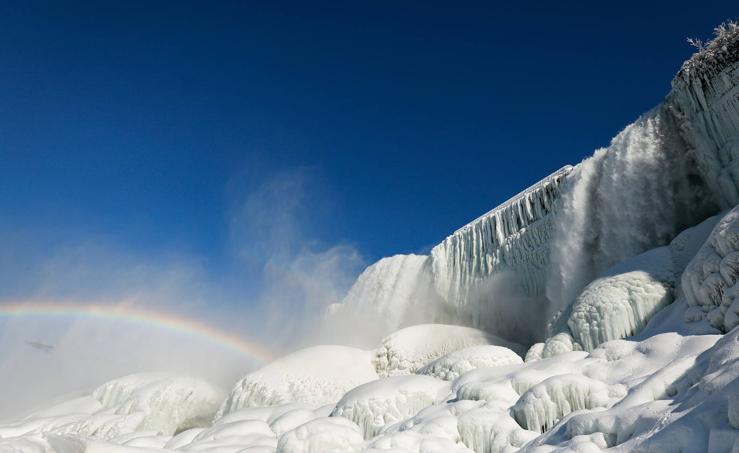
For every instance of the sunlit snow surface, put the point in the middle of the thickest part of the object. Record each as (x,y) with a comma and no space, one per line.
(625,269)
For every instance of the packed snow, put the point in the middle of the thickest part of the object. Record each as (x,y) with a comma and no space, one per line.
(619,275)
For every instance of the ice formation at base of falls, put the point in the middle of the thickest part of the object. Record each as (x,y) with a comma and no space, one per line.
(410,349)
(315,376)
(597,251)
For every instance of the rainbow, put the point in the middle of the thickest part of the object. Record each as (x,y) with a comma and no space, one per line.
(141,316)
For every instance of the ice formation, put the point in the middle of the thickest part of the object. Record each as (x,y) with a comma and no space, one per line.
(410,349)
(316,376)
(623,268)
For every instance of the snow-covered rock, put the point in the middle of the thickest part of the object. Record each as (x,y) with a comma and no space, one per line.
(316,376)
(620,303)
(543,405)
(376,405)
(408,350)
(492,430)
(454,364)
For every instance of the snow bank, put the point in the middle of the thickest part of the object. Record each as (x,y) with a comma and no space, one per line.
(375,405)
(316,376)
(454,364)
(408,350)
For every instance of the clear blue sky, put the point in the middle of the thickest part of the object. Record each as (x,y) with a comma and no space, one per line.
(138,121)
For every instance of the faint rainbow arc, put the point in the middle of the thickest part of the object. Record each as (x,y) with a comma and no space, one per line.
(159,319)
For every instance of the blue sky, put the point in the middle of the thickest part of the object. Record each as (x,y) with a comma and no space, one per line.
(150,126)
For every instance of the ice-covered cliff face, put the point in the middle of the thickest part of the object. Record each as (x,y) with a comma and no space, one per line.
(673,167)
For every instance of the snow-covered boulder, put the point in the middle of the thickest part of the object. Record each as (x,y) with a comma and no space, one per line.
(375,405)
(322,435)
(542,406)
(619,303)
(556,345)
(408,350)
(454,364)
(710,280)
(492,430)
(167,403)
(315,376)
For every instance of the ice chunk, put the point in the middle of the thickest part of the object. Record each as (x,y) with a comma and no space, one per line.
(454,364)
(316,376)
(409,349)
(375,405)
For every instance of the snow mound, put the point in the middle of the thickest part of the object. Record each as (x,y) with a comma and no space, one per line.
(454,364)
(542,406)
(322,435)
(375,405)
(619,304)
(316,376)
(556,345)
(408,350)
(710,280)
(168,403)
